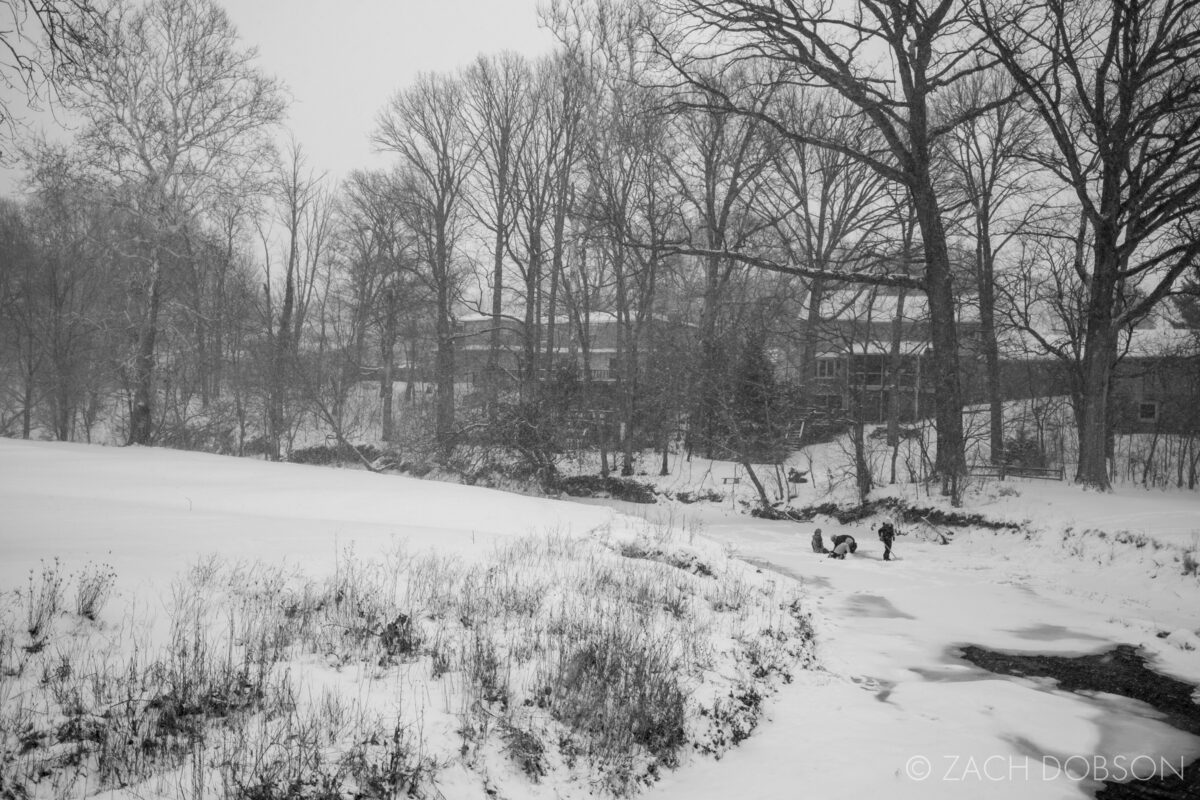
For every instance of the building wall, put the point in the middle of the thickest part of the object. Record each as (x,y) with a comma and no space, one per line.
(1157,394)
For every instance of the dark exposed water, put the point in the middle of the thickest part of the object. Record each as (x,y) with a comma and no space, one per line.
(1121,671)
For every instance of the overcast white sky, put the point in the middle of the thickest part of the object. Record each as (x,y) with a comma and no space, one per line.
(343,61)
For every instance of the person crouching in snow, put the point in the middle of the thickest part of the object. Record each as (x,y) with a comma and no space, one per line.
(843,543)
(887,535)
(818,544)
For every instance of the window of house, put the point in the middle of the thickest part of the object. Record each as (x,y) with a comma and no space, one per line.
(829,402)
(868,370)
(1148,412)
(828,367)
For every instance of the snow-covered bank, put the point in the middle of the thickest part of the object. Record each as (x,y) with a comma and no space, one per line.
(891,696)
(175,623)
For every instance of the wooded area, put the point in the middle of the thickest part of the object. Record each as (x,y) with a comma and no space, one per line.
(664,225)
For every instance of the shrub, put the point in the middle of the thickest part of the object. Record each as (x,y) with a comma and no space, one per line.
(527,750)
(43,598)
(599,486)
(322,455)
(93,589)
(1024,450)
(621,688)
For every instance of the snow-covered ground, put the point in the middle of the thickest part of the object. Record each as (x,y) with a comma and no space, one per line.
(889,709)
(896,713)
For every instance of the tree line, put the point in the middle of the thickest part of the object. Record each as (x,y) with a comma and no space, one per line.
(733,164)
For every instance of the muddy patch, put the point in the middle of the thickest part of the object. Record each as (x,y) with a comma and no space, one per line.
(817,581)
(1120,671)
(874,605)
(1054,633)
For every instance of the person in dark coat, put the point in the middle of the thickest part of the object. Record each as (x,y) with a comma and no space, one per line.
(843,543)
(887,535)
(818,543)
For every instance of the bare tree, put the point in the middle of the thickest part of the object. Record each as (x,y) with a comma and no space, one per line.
(173,106)
(719,166)
(500,118)
(424,126)
(1117,85)
(988,157)
(832,211)
(379,263)
(41,43)
(303,210)
(561,101)
(890,59)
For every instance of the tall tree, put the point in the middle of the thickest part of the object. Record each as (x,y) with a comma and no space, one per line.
(380,272)
(832,211)
(302,208)
(174,107)
(424,126)
(719,171)
(989,167)
(1117,85)
(890,59)
(499,117)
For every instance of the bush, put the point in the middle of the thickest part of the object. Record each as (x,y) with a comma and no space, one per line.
(43,599)
(700,495)
(621,688)
(93,590)
(599,486)
(1024,450)
(323,455)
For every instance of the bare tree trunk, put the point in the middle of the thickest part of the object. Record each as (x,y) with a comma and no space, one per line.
(141,418)
(491,378)
(27,408)
(281,350)
(862,470)
(763,499)
(387,348)
(991,349)
(1100,354)
(444,361)
(949,462)
(895,360)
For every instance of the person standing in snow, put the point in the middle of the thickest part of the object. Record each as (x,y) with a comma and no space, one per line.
(818,543)
(887,534)
(843,543)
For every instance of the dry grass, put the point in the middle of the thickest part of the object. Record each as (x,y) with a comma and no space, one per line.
(603,659)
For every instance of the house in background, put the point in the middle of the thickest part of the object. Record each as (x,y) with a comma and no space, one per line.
(869,342)
(474,341)
(1156,385)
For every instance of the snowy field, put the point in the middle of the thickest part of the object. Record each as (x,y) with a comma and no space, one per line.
(886,708)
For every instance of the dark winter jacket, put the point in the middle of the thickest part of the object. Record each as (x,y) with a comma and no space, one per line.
(843,543)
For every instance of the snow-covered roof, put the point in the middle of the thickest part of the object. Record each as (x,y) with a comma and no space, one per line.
(1158,336)
(908,347)
(882,304)
(1162,336)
